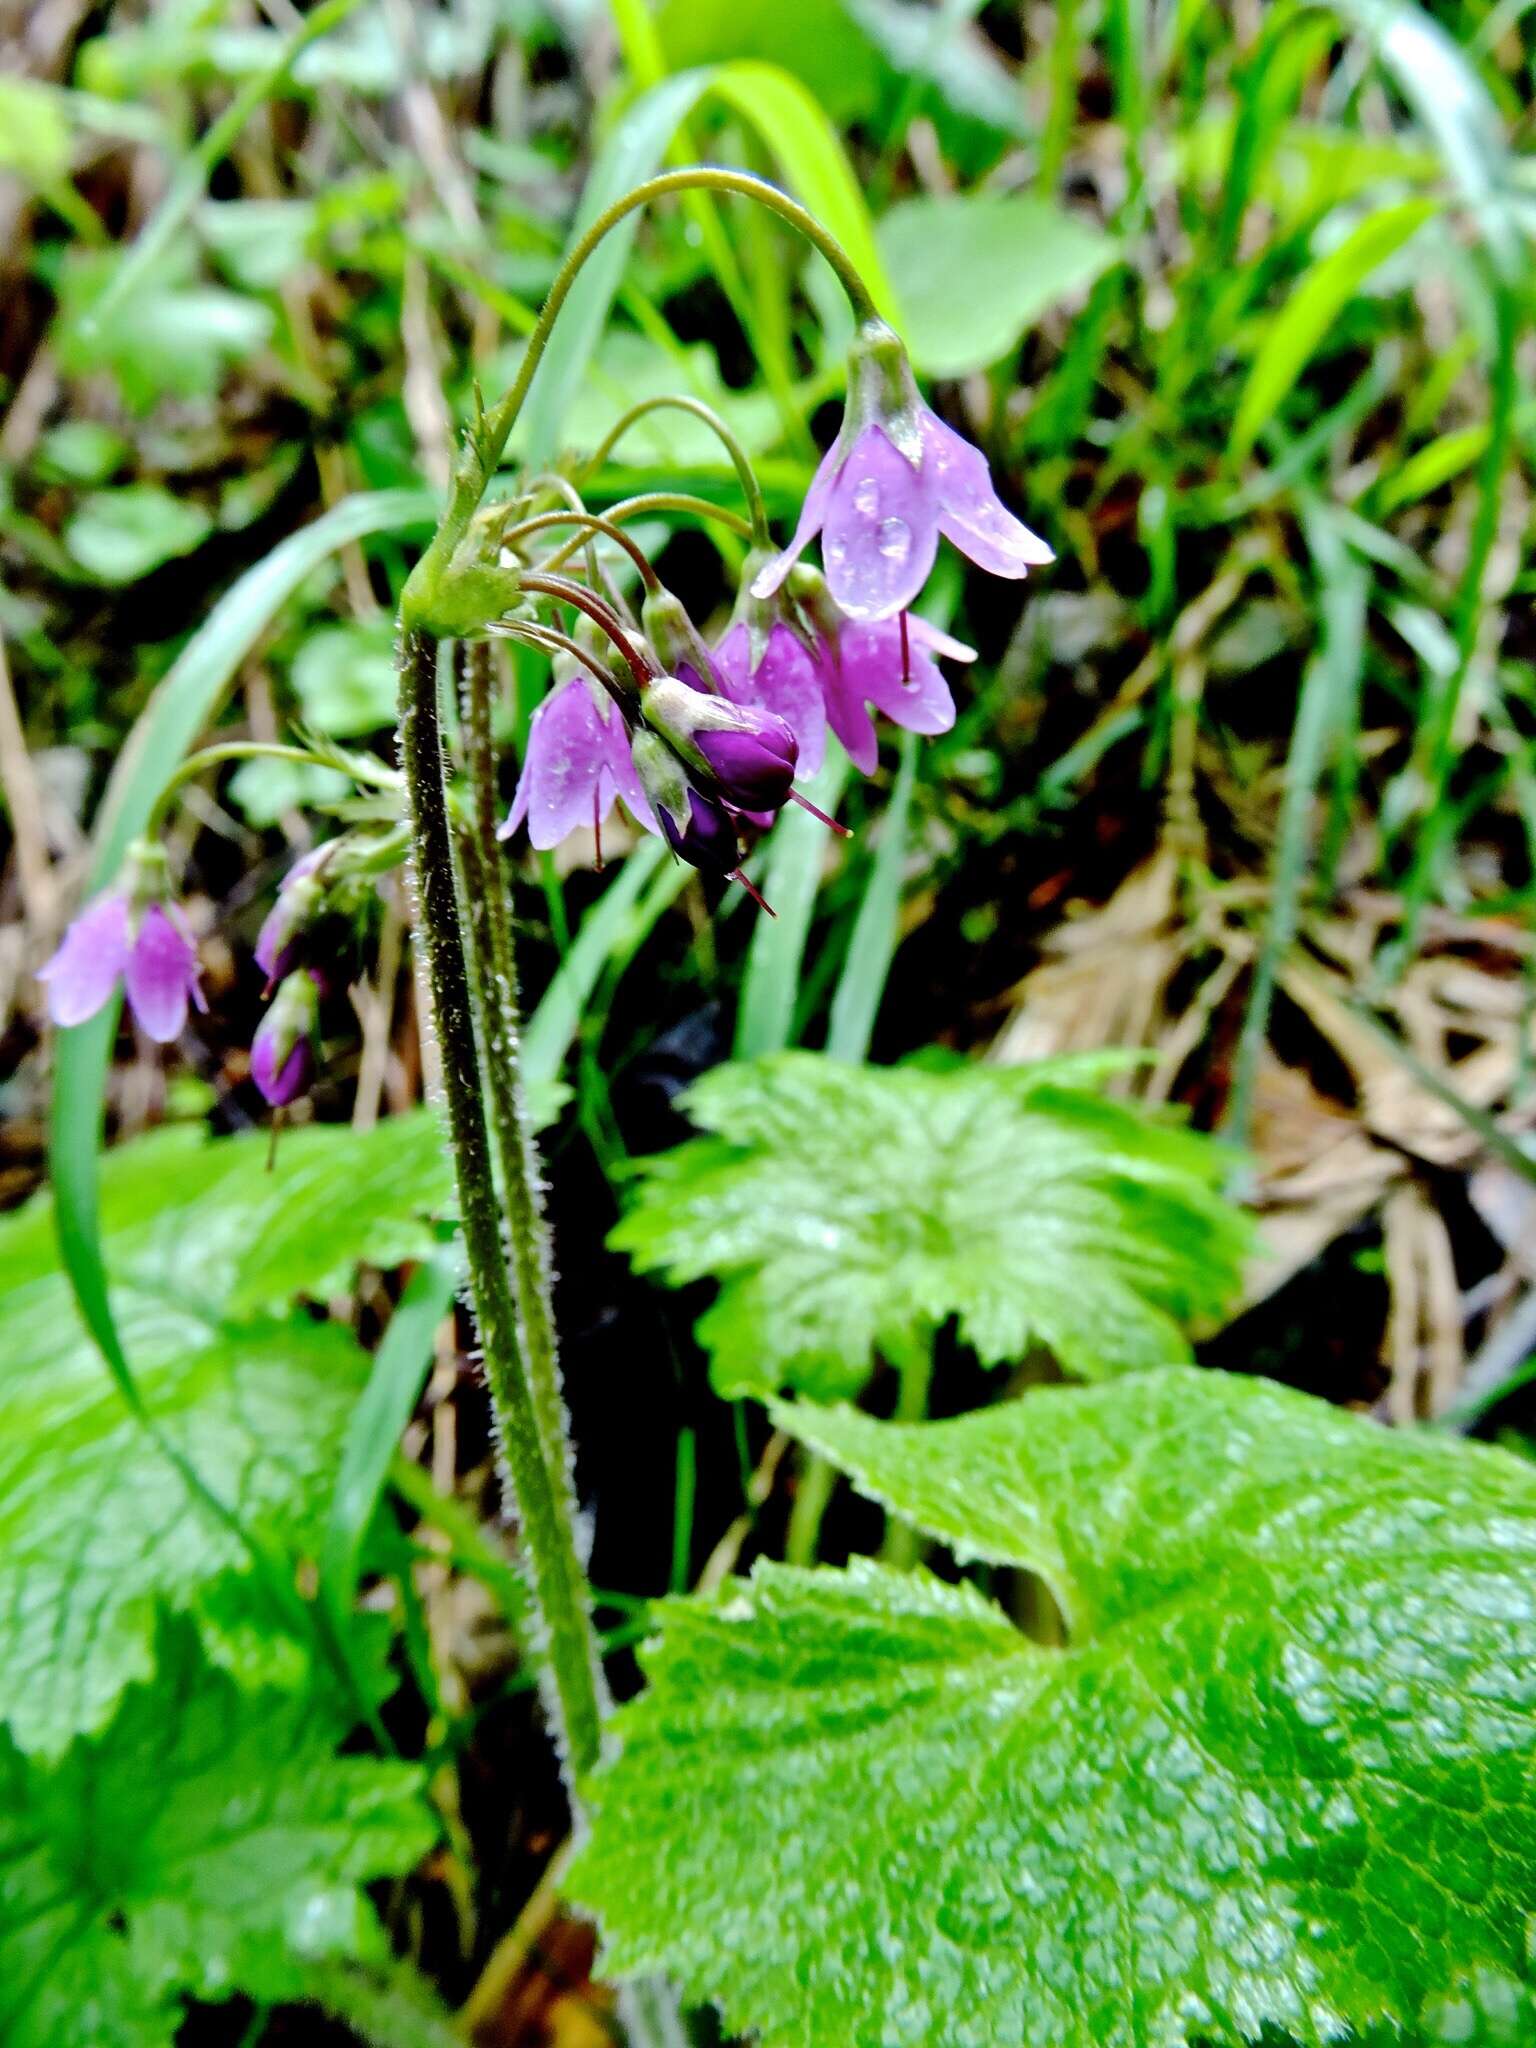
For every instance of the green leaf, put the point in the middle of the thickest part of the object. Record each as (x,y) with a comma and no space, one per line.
(206,1249)
(844,1207)
(209,1842)
(1280,1776)
(34,134)
(829,54)
(263,789)
(972,272)
(1296,330)
(345,678)
(121,535)
(166,335)
(80,452)
(797,857)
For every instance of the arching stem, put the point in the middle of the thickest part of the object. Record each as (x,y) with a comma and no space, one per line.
(583,600)
(591,523)
(746,475)
(426,602)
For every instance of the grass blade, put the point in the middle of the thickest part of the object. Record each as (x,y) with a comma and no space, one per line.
(797,851)
(373,1432)
(1299,326)
(557,1018)
(1329,696)
(856,1002)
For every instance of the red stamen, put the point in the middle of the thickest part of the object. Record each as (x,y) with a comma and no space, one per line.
(906,652)
(597,832)
(757,897)
(842,831)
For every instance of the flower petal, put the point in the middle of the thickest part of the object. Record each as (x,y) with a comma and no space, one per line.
(787,681)
(872,670)
(812,512)
(881,530)
(160,975)
(93,953)
(571,743)
(851,721)
(971,514)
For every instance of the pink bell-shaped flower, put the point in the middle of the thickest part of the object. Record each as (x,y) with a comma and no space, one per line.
(133,935)
(769,659)
(577,765)
(895,479)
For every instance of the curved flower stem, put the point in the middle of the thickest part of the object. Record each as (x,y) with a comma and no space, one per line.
(426,601)
(494,964)
(657,501)
(550,640)
(746,475)
(567,592)
(234,750)
(558,1583)
(591,523)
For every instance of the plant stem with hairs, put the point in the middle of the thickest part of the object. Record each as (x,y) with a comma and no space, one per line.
(494,974)
(558,1582)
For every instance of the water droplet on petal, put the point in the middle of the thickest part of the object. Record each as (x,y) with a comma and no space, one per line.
(836,551)
(866,497)
(894,539)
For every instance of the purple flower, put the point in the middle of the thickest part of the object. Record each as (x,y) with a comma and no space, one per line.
(698,829)
(744,756)
(578,762)
(778,672)
(895,479)
(152,955)
(299,898)
(866,667)
(282,1051)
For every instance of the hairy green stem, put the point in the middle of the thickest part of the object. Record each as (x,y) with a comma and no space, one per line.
(494,966)
(746,475)
(427,602)
(558,1583)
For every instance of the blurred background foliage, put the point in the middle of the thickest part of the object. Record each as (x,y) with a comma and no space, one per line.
(1236,297)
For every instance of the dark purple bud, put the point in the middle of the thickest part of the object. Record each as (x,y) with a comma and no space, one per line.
(742,755)
(755,769)
(698,829)
(282,1052)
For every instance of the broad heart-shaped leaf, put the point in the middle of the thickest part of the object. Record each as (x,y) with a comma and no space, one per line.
(1281,1777)
(846,1208)
(205,1249)
(209,1841)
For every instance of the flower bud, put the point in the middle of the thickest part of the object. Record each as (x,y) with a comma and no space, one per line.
(300,899)
(744,756)
(697,828)
(282,1052)
(678,645)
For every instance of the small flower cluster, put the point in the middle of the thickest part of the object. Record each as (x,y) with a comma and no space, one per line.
(804,650)
(701,744)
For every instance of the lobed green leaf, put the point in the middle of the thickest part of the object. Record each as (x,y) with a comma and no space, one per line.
(844,1207)
(1281,1777)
